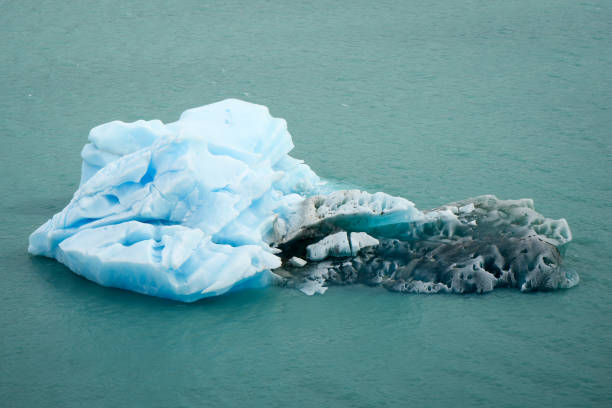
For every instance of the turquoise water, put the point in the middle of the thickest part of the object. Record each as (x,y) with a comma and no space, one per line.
(435,103)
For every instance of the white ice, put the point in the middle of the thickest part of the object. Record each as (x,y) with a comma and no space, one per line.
(339,244)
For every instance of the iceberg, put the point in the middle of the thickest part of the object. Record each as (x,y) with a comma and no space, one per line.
(214,203)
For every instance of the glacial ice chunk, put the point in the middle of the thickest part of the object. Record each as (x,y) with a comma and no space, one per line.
(213,203)
(496,243)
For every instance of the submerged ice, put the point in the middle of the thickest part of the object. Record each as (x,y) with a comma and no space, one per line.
(213,203)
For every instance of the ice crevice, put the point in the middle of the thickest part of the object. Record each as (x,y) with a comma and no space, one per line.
(214,203)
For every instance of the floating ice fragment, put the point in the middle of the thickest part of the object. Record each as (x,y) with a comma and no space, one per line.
(310,287)
(297,262)
(466,209)
(213,203)
(359,240)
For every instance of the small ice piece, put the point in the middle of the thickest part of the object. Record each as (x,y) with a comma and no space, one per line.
(466,209)
(360,240)
(310,287)
(297,262)
(332,245)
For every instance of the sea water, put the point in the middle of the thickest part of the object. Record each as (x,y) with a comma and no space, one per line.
(435,103)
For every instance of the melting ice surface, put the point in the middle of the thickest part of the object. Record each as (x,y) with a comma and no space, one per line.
(213,203)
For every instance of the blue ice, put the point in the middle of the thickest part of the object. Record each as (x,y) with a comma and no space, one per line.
(200,207)
(184,210)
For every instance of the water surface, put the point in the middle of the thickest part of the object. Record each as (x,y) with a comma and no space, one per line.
(435,103)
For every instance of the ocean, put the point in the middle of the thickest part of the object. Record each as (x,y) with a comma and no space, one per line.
(432,102)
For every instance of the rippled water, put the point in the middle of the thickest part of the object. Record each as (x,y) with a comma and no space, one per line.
(432,102)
